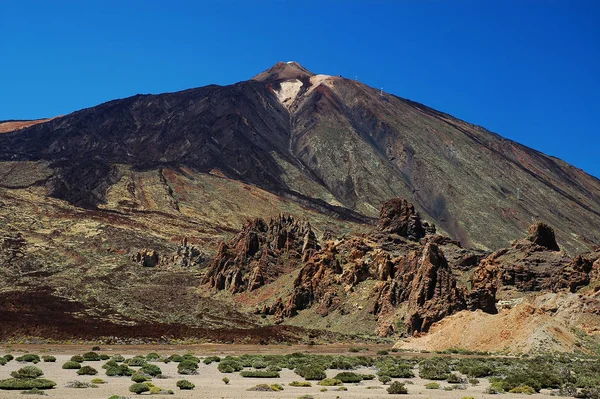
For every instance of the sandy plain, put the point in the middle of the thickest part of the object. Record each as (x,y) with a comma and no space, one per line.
(209,382)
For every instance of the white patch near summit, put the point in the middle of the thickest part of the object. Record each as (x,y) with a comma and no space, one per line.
(288,92)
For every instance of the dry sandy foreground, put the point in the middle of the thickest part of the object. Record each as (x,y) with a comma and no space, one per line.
(209,384)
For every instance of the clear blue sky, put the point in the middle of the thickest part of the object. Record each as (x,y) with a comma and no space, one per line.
(526,69)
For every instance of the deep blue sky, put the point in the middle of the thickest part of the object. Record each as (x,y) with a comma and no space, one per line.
(528,70)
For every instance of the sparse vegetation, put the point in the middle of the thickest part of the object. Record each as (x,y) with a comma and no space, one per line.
(87,370)
(397,388)
(70,365)
(185,385)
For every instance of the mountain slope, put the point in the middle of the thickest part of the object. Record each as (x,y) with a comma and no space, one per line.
(329,143)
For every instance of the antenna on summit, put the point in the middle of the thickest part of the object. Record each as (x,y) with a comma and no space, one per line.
(381,92)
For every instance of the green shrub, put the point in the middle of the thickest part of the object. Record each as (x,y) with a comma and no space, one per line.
(87,370)
(119,370)
(110,363)
(151,369)
(139,377)
(397,388)
(309,372)
(20,384)
(139,388)
(473,381)
(77,358)
(495,388)
(3,361)
(434,369)
(153,356)
(118,358)
(259,374)
(432,385)
(50,359)
(176,358)
(98,381)
(27,372)
(229,366)
(523,389)
(8,357)
(455,379)
(225,380)
(367,377)
(273,367)
(329,382)
(136,361)
(187,367)
(104,357)
(384,379)
(70,365)
(210,359)
(300,384)
(353,349)
(276,387)
(28,358)
(383,352)
(259,364)
(348,377)
(185,385)
(91,357)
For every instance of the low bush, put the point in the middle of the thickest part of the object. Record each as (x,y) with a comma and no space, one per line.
(87,370)
(185,385)
(300,384)
(383,352)
(118,358)
(259,374)
(225,380)
(384,379)
(434,369)
(27,372)
(139,388)
(104,357)
(151,369)
(77,358)
(348,377)
(523,389)
(329,382)
(432,385)
(153,356)
(136,361)
(121,370)
(28,358)
(309,372)
(91,357)
(266,388)
(187,367)
(397,388)
(50,359)
(229,366)
(70,365)
(175,358)
(20,384)
(98,381)
(8,357)
(139,378)
(210,359)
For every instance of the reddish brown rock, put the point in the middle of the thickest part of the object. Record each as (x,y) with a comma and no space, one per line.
(543,235)
(398,216)
(254,257)
(146,258)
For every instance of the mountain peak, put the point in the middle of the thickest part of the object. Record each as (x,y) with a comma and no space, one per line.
(284,71)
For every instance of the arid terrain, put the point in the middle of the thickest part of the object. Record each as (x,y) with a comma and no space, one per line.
(418,376)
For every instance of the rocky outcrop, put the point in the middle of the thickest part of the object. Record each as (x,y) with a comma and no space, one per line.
(256,255)
(146,258)
(398,216)
(187,255)
(414,275)
(529,265)
(543,235)
(582,270)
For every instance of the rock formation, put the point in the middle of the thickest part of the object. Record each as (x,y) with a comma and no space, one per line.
(543,235)
(255,256)
(397,216)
